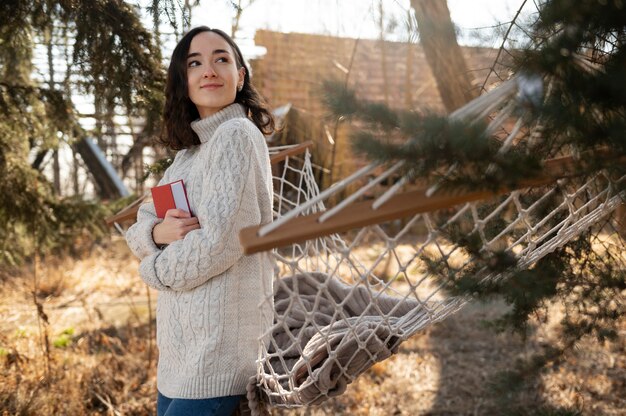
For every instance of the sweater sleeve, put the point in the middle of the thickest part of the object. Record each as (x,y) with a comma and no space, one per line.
(139,235)
(226,206)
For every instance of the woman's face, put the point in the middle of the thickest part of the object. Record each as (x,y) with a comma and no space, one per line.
(212,74)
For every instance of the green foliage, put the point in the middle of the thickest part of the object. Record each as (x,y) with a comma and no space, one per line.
(36,221)
(64,339)
(158,167)
(587,105)
(579,49)
(20,332)
(31,215)
(168,9)
(431,144)
(117,205)
(118,61)
(112,45)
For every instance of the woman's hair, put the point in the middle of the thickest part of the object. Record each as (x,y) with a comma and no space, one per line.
(180,111)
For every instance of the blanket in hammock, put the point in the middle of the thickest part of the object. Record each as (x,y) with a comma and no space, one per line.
(326,334)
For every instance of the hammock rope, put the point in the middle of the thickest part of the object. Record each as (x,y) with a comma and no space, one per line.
(355,281)
(344,300)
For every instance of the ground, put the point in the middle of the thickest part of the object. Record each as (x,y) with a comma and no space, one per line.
(90,350)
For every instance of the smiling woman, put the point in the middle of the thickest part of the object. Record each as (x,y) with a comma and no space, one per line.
(189,65)
(208,321)
(213,78)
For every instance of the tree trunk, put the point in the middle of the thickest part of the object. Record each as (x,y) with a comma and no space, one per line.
(408,86)
(108,184)
(56,167)
(56,172)
(443,53)
(381,27)
(39,158)
(134,152)
(75,167)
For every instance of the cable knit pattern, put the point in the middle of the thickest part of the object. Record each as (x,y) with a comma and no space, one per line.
(208,321)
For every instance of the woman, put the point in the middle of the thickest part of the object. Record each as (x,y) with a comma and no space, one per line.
(208,321)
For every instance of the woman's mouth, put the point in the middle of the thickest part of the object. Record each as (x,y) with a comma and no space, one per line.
(210,86)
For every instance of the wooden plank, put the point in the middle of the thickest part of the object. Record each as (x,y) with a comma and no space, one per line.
(362,214)
(357,215)
(129,213)
(296,150)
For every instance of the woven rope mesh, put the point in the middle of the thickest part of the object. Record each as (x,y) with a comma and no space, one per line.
(345,301)
(294,181)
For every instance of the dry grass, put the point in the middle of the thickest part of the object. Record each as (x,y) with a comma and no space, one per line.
(89,349)
(99,357)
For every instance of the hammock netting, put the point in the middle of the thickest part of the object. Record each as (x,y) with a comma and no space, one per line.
(346,297)
(343,301)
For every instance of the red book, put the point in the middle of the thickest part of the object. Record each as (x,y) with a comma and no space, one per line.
(168,196)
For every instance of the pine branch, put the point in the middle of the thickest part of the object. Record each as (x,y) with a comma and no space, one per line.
(578,50)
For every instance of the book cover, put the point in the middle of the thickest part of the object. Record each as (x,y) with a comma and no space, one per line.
(168,196)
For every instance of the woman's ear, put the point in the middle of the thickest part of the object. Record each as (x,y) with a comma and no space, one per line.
(242,75)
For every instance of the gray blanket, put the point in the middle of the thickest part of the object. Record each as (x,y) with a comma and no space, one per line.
(326,334)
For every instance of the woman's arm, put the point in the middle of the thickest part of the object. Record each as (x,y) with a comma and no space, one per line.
(175,226)
(226,207)
(139,235)
(149,232)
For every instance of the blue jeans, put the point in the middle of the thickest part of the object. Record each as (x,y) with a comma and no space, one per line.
(216,406)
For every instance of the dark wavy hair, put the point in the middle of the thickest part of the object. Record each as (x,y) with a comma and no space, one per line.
(180,111)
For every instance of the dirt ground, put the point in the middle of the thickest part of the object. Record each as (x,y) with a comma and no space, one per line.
(90,350)
(449,368)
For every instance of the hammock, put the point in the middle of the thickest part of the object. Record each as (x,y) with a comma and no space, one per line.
(353,282)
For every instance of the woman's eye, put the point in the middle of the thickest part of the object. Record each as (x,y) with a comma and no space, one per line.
(222,59)
(193,63)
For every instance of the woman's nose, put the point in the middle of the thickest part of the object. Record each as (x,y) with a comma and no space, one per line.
(210,72)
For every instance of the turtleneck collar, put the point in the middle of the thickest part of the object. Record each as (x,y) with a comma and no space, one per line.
(205,127)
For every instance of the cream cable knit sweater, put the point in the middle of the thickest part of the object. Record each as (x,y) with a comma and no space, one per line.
(208,317)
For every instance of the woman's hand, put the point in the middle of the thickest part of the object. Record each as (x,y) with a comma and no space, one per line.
(175,226)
